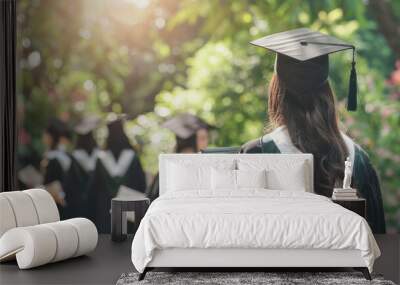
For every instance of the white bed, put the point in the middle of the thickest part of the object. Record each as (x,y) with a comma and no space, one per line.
(198,222)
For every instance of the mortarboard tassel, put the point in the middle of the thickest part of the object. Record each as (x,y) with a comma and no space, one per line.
(352,96)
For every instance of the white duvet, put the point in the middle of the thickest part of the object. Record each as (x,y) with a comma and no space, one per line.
(250,219)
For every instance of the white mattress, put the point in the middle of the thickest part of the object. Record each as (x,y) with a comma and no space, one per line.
(257,219)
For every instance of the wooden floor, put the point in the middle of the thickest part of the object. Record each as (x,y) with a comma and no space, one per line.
(110,260)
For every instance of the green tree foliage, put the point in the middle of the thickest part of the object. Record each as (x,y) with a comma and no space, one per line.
(155,58)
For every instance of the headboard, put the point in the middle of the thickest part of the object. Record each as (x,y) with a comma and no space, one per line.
(280,162)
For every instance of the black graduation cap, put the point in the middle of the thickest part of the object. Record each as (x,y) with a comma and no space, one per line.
(58,128)
(185,125)
(302,61)
(115,122)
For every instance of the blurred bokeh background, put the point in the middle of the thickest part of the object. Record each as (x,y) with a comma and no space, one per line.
(151,59)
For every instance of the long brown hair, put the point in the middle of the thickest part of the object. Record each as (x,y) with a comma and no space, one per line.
(312,123)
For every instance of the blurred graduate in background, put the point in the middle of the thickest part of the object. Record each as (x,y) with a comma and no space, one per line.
(191,132)
(83,163)
(56,161)
(116,166)
(192,136)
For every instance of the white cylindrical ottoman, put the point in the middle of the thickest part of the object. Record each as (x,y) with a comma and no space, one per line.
(40,244)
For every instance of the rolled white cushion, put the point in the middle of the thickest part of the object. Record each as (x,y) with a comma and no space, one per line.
(7,218)
(46,208)
(33,246)
(37,245)
(23,208)
(87,235)
(26,208)
(67,240)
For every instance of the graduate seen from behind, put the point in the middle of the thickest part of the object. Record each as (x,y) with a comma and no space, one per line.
(303,116)
(192,136)
(190,131)
(118,170)
(56,161)
(83,163)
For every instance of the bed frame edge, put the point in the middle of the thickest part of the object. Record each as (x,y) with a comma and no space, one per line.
(363,270)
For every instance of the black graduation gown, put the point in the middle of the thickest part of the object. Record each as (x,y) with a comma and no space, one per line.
(56,165)
(364,178)
(107,177)
(77,182)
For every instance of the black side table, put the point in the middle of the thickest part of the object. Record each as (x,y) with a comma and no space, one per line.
(357,205)
(119,207)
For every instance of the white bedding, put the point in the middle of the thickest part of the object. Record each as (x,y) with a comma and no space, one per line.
(253,218)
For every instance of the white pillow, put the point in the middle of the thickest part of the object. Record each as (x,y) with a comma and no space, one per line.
(281,174)
(227,179)
(251,178)
(187,177)
(293,180)
(223,179)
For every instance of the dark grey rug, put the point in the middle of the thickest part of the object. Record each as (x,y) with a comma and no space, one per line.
(230,278)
